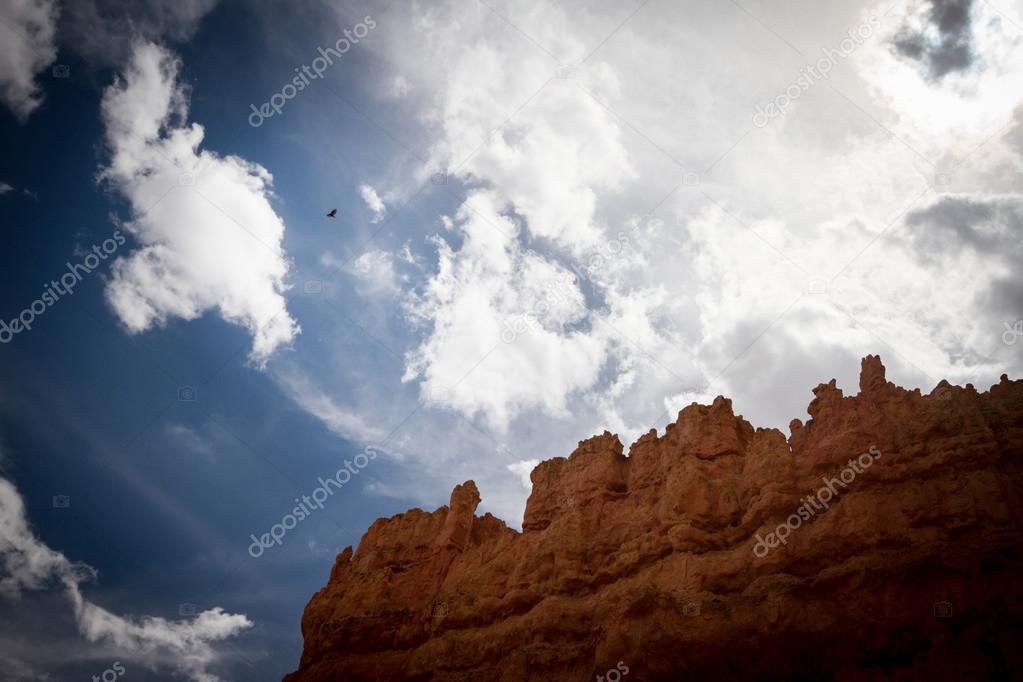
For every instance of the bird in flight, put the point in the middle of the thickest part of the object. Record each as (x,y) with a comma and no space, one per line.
(333,213)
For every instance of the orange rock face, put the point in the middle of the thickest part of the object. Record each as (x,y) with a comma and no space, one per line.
(880,541)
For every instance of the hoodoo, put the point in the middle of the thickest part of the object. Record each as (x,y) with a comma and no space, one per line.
(880,540)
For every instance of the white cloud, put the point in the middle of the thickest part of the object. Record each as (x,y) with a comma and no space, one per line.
(209,238)
(344,422)
(4,188)
(720,285)
(27,563)
(373,202)
(480,298)
(375,270)
(28,28)
(523,468)
(693,289)
(185,646)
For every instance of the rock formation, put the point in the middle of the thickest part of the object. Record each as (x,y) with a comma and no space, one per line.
(881,540)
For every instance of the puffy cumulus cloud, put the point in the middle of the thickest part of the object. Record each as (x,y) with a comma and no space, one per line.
(552,164)
(103,31)
(498,310)
(28,28)
(639,243)
(614,339)
(185,646)
(373,202)
(539,172)
(208,237)
(549,162)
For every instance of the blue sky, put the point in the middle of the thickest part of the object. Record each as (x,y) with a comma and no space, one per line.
(164,493)
(552,220)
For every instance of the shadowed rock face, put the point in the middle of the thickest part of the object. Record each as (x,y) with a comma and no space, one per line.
(880,541)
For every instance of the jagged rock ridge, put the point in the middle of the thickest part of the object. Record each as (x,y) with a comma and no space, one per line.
(657,560)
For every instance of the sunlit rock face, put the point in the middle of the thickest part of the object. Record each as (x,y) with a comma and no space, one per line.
(879,541)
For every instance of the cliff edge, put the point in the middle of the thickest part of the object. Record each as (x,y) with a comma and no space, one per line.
(881,540)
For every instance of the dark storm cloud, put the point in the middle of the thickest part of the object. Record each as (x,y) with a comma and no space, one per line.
(993,229)
(1005,294)
(953,49)
(102,31)
(954,221)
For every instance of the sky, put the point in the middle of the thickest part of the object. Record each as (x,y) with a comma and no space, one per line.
(552,219)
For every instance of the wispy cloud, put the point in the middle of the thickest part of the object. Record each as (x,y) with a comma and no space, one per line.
(185,646)
(342,421)
(373,202)
(375,271)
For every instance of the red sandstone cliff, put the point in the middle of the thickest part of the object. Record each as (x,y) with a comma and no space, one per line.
(653,563)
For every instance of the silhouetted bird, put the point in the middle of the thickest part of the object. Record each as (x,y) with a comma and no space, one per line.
(333,213)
